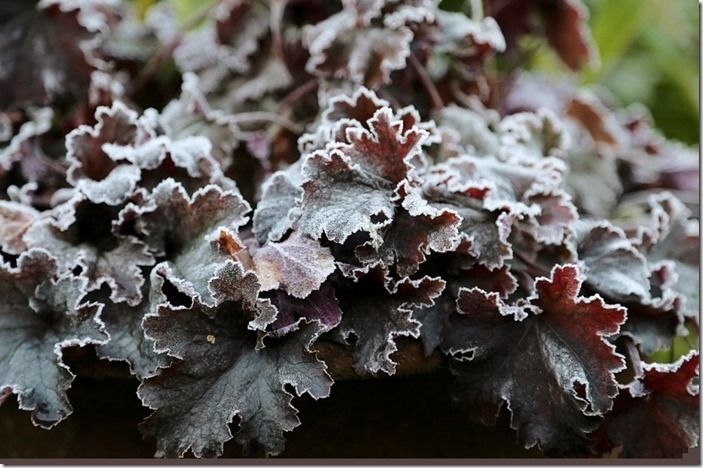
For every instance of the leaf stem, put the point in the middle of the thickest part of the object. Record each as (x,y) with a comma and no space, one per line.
(293,97)
(277,9)
(477,10)
(426,81)
(634,357)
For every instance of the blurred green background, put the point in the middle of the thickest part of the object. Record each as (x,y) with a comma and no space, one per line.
(649,53)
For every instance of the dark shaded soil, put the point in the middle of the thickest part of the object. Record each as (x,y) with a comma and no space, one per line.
(400,417)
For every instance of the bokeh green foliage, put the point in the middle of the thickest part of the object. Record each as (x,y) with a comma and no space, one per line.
(648,53)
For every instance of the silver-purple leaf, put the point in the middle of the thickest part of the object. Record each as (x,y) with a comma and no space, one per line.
(40,315)
(78,234)
(193,235)
(221,374)
(298,265)
(376,310)
(127,342)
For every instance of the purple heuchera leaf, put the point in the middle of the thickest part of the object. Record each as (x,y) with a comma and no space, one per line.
(40,315)
(127,339)
(657,415)
(376,310)
(123,151)
(31,168)
(320,305)
(121,225)
(298,265)
(365,171)
(612,264)
(77,234)
(350,45)
(337,202)
(23,143)
(194,236)
(435,319)
(191,115)
(616,269)
(368,156)
(468,131)
(15,219)
(274,214)
(674,237)
(417,229)
(484,234)
(94,172)
(225,45)
(230,283)
(48,51)
(466,39)
(552,226)
(220,373)
(499,185)
(357,111)
(531,356)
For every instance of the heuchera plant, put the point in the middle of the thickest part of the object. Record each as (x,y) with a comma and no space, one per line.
(342,174)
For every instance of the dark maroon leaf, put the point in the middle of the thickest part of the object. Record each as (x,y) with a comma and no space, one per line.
(657,415)
(417,230)
(320,305)
(352,46)
(191,115)
(226,44)
(363,172)
(675,237)
(377,309)
(77,233)
(193,235)
(531,355)
(124,151)
(127,339)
